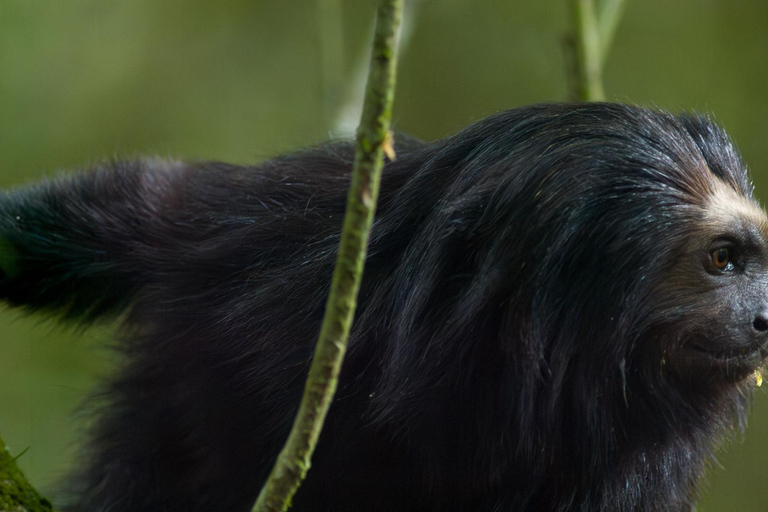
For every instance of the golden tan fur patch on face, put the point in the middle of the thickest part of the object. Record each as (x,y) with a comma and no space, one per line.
(724,204)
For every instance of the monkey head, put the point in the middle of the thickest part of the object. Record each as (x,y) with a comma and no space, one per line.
(717,295)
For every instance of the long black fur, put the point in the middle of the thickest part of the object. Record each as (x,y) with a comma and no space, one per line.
(505,355)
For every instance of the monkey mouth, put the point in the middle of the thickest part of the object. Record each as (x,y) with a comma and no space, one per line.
(734,361)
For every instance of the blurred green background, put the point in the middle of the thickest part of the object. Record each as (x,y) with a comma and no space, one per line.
(241,80)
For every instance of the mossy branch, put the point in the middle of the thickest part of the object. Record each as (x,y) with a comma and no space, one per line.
(16,493)
(373,141)
(594,24)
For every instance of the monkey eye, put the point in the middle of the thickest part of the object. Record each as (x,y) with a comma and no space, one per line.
(721,259)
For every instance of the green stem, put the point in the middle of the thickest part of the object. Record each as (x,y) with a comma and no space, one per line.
(609,13)
(594,25)
(331,51)
(372,140)
(588,51)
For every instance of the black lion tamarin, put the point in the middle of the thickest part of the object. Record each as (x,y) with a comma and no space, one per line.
(564,308)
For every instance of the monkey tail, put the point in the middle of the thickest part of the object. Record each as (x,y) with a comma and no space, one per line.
(63,244)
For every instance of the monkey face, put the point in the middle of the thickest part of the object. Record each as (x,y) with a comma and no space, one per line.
(722,284)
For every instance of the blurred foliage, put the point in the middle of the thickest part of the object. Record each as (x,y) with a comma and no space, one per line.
(242,80)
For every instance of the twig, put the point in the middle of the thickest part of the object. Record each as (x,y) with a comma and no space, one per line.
(347,115)
(331,39)
(609,14)
(373,140)
(587,47)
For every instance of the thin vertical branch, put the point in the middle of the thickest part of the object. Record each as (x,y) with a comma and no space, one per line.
(588,54)
(609,14)
(349,110)
(594,25)
(331,49)
(373,140)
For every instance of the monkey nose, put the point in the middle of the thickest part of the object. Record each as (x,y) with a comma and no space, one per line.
(760,323)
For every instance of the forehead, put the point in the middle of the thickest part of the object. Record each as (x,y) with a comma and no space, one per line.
(726,209)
